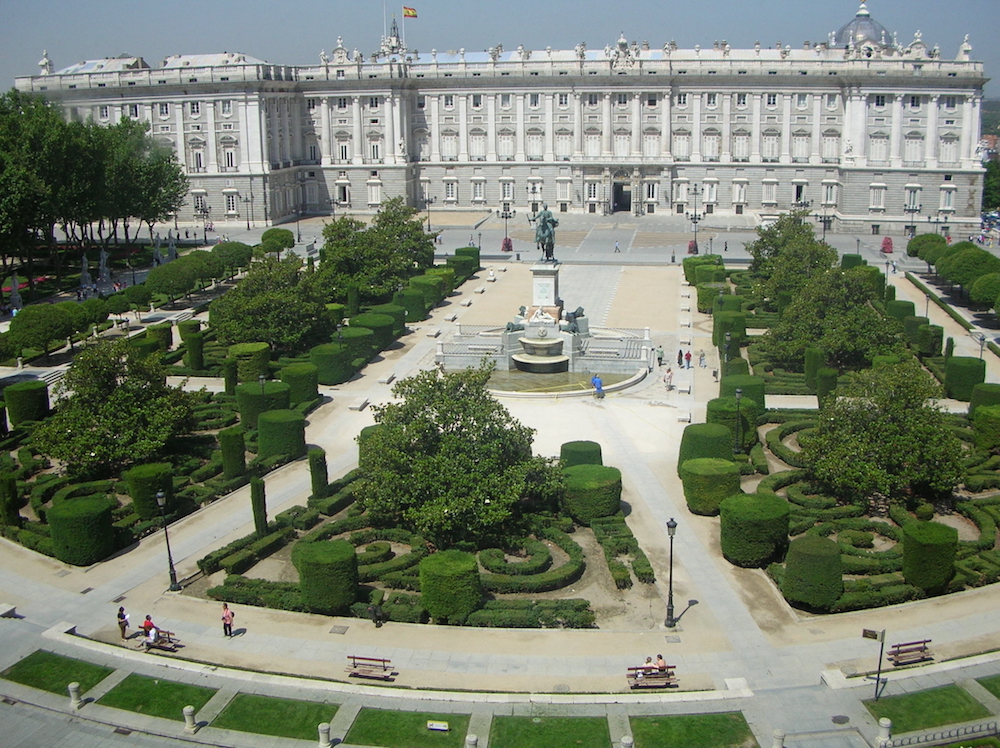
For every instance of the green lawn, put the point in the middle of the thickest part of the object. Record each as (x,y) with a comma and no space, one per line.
(52,672)
(991,684)
(724,730)
(284,718)
(922,710)
(550,732)
(156,697)
(406,729)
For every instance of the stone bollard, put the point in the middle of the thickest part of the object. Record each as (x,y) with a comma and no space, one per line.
(627,741)
(645,333)
(74,695)
(324,735)
(471,741)
(20,362)
(884,731)
(779,739)
(190,727)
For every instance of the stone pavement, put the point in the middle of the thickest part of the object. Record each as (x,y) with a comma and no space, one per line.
(739,648)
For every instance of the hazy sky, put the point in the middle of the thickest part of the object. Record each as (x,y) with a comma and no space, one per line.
(294,31)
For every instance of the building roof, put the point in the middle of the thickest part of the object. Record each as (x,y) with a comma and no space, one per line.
(217,59)
(120,63)
(862,28)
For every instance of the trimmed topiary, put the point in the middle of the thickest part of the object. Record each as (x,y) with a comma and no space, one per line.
(986,427)
(592,491)
(360,341)
(911,329)
(146,345)
(469,251)
(753,389)
(363,437)
(782,301)
(254,398)
(929,555)
(738,418)
(233,446)
(848,261)
(450,279)
(814,576)
(27,401)
(188,327)
(163,334)
(709,274)
(258,502)
(580,453)
(398,315)
(194,356)
(302,380)
(961,375)
(814,359)
(899,309)
(727,303)
(690,265)
(887,360)
(328,575)
(707,294)
(889,294)
(318,475)
(984,393)
(464,267)
(929,340)
(734,323)
(381,326)
(229,377)
(332,362)
(826,384)
(82,529)
(281,432)
(144,481)
(754,528)
(9,501)
(251,360)
(432,286)
(705,440)
(450,586)
(707,481)
(736,366)
(414,302)
(336,312)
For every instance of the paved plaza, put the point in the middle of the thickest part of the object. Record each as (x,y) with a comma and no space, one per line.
(740,647)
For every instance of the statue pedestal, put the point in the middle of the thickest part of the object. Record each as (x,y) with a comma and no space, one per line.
(545,290)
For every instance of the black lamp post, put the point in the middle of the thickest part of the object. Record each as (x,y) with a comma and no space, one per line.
(981,339)
(912,210)
(802,204)
(506,214)
(340,338)
(671,531)
(246,209)
(824,220)
(534,193)
(729,339)
(429,201)
(694,216)
(738,444)
(161,501)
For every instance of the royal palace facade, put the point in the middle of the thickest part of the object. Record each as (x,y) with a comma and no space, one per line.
(869,134)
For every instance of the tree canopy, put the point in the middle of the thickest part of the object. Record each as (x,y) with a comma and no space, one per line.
(786,255)
(449,461)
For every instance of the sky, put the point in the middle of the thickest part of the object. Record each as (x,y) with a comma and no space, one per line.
(294,31)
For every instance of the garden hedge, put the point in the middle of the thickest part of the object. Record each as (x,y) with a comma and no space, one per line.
(332,362)
(229,377)
(986,427)
(911,329)
(826,383)
(432,286)
(328,575)
(754,528)
(233,447)
(753,389)
(163,334)
(251,360)
(360,341)
(414,302)
(736,366)
(707,481)
(254,398)
(709,274)
(705,440)
(848,261)
(363,437)
(725,411)
(82,529)
(450,279)
(145,345)
(398,315)
(318,473)
(281,432)
(258,503)
(187,328)
(815,358)
(929,340)
(592,491)
(302,380)
(450,586)
(734,323)
(900,310)
(984,393)
(727,303)
(708,293)
(539,558)
(464,267)
(469,251)
(690,265)
(381,326)
(27,401)
(813,573)
(961,375)
(194,355)
(10,501)
(929,555)
(580,453)
(144,481)
(546,581)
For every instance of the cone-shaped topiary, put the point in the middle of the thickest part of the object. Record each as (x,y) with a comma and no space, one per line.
(754,528)
(302,380)
(705,440)
(233,446)
(252,399)
(962,374)
(281,432)
(82,529)
(27,401)
(592,491)
(813,573)
(929,555)
(707,481)
(332,362)
(450,586)
(144,481)
(328,575)
(580,453)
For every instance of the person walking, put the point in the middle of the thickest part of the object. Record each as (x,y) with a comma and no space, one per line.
(659,355)
(680,359)
(123,622)
(687,359)
(617,248)
(668,379)
(598,386)
(701,359)
(227,620)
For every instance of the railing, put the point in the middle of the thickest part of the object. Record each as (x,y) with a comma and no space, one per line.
(943,737)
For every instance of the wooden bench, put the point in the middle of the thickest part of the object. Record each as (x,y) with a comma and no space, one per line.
(374,668)
(651,677)
(909,653)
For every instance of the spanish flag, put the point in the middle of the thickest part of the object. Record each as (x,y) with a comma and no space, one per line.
(409,12)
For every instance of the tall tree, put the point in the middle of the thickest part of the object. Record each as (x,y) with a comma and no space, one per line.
(786,255)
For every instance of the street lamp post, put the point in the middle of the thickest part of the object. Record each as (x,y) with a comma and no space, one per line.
(824,219)
(729,339)
(981,339)
(671,622)
(534,193)
(429,201)
(506,214)
(912,210)
(857,239)
(694,216)
(161,501)
(738,444)
(261,379)
(246,209)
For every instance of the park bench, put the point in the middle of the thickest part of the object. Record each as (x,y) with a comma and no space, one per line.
(685,322)
(684,417)
(165,642)
(433,332)
(387,379)
(8,611)
(685,306)
(909,653)
(481,289)
(684,387)
(651,677)
(451,317)
(374,668)
(359,404)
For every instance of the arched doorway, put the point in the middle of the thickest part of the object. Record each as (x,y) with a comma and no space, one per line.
(621,192)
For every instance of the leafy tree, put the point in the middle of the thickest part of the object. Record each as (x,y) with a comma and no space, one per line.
(118,304)
(282,237)
(966,265)
(884,435)
(139,296)
(786,255)
(38,325)
(233,255)
(173,279)
(116,409)
(449,461)
(985,290)
(991,186)
(275,303)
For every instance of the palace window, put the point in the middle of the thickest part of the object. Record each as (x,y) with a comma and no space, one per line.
(164,109)
(195,108)
(710,145)
(741,145)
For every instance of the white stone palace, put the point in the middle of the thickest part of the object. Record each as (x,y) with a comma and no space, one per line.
(873,135)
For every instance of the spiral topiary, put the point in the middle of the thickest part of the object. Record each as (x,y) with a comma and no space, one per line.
(705,440)
(332,362)
(252,399)
(144,481)
(592,491)
(707,481)
(754,528)
(302,380)
(27,401)
(450,586)
(813,573)
(580,453)
(962,374)
(281,432)
(929,555)
(82,529)
(328,575)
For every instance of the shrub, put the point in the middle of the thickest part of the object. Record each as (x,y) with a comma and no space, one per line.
(553,579)
(911,329)
(233,447)
(413,301)
(848,261)
(194,356)
(900,310)
(432,286)
(580,453)
(360,341)
(925,241)
(302,380)
(984,393)
(962,374)
(690,265)
(381,325)
(707,294)
(10,501)
(705,440)
(826,384)
(251,360)
(332,362)
(464,267)
(253,398)
(707,481)
(929,555)
(258,502)
(328,575)
(813,573)
(82,530)
(450,587)
(450,281)
(736,366)
(539,559)
(727,303)
(752,387)
(27,401)
(738,418)
(144,481)
(281,432)
(317,473)
(929,339)
(397,313)
(592,491)
(187,328)
(469,251)
(734,323)
(754,528)
(814,359)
